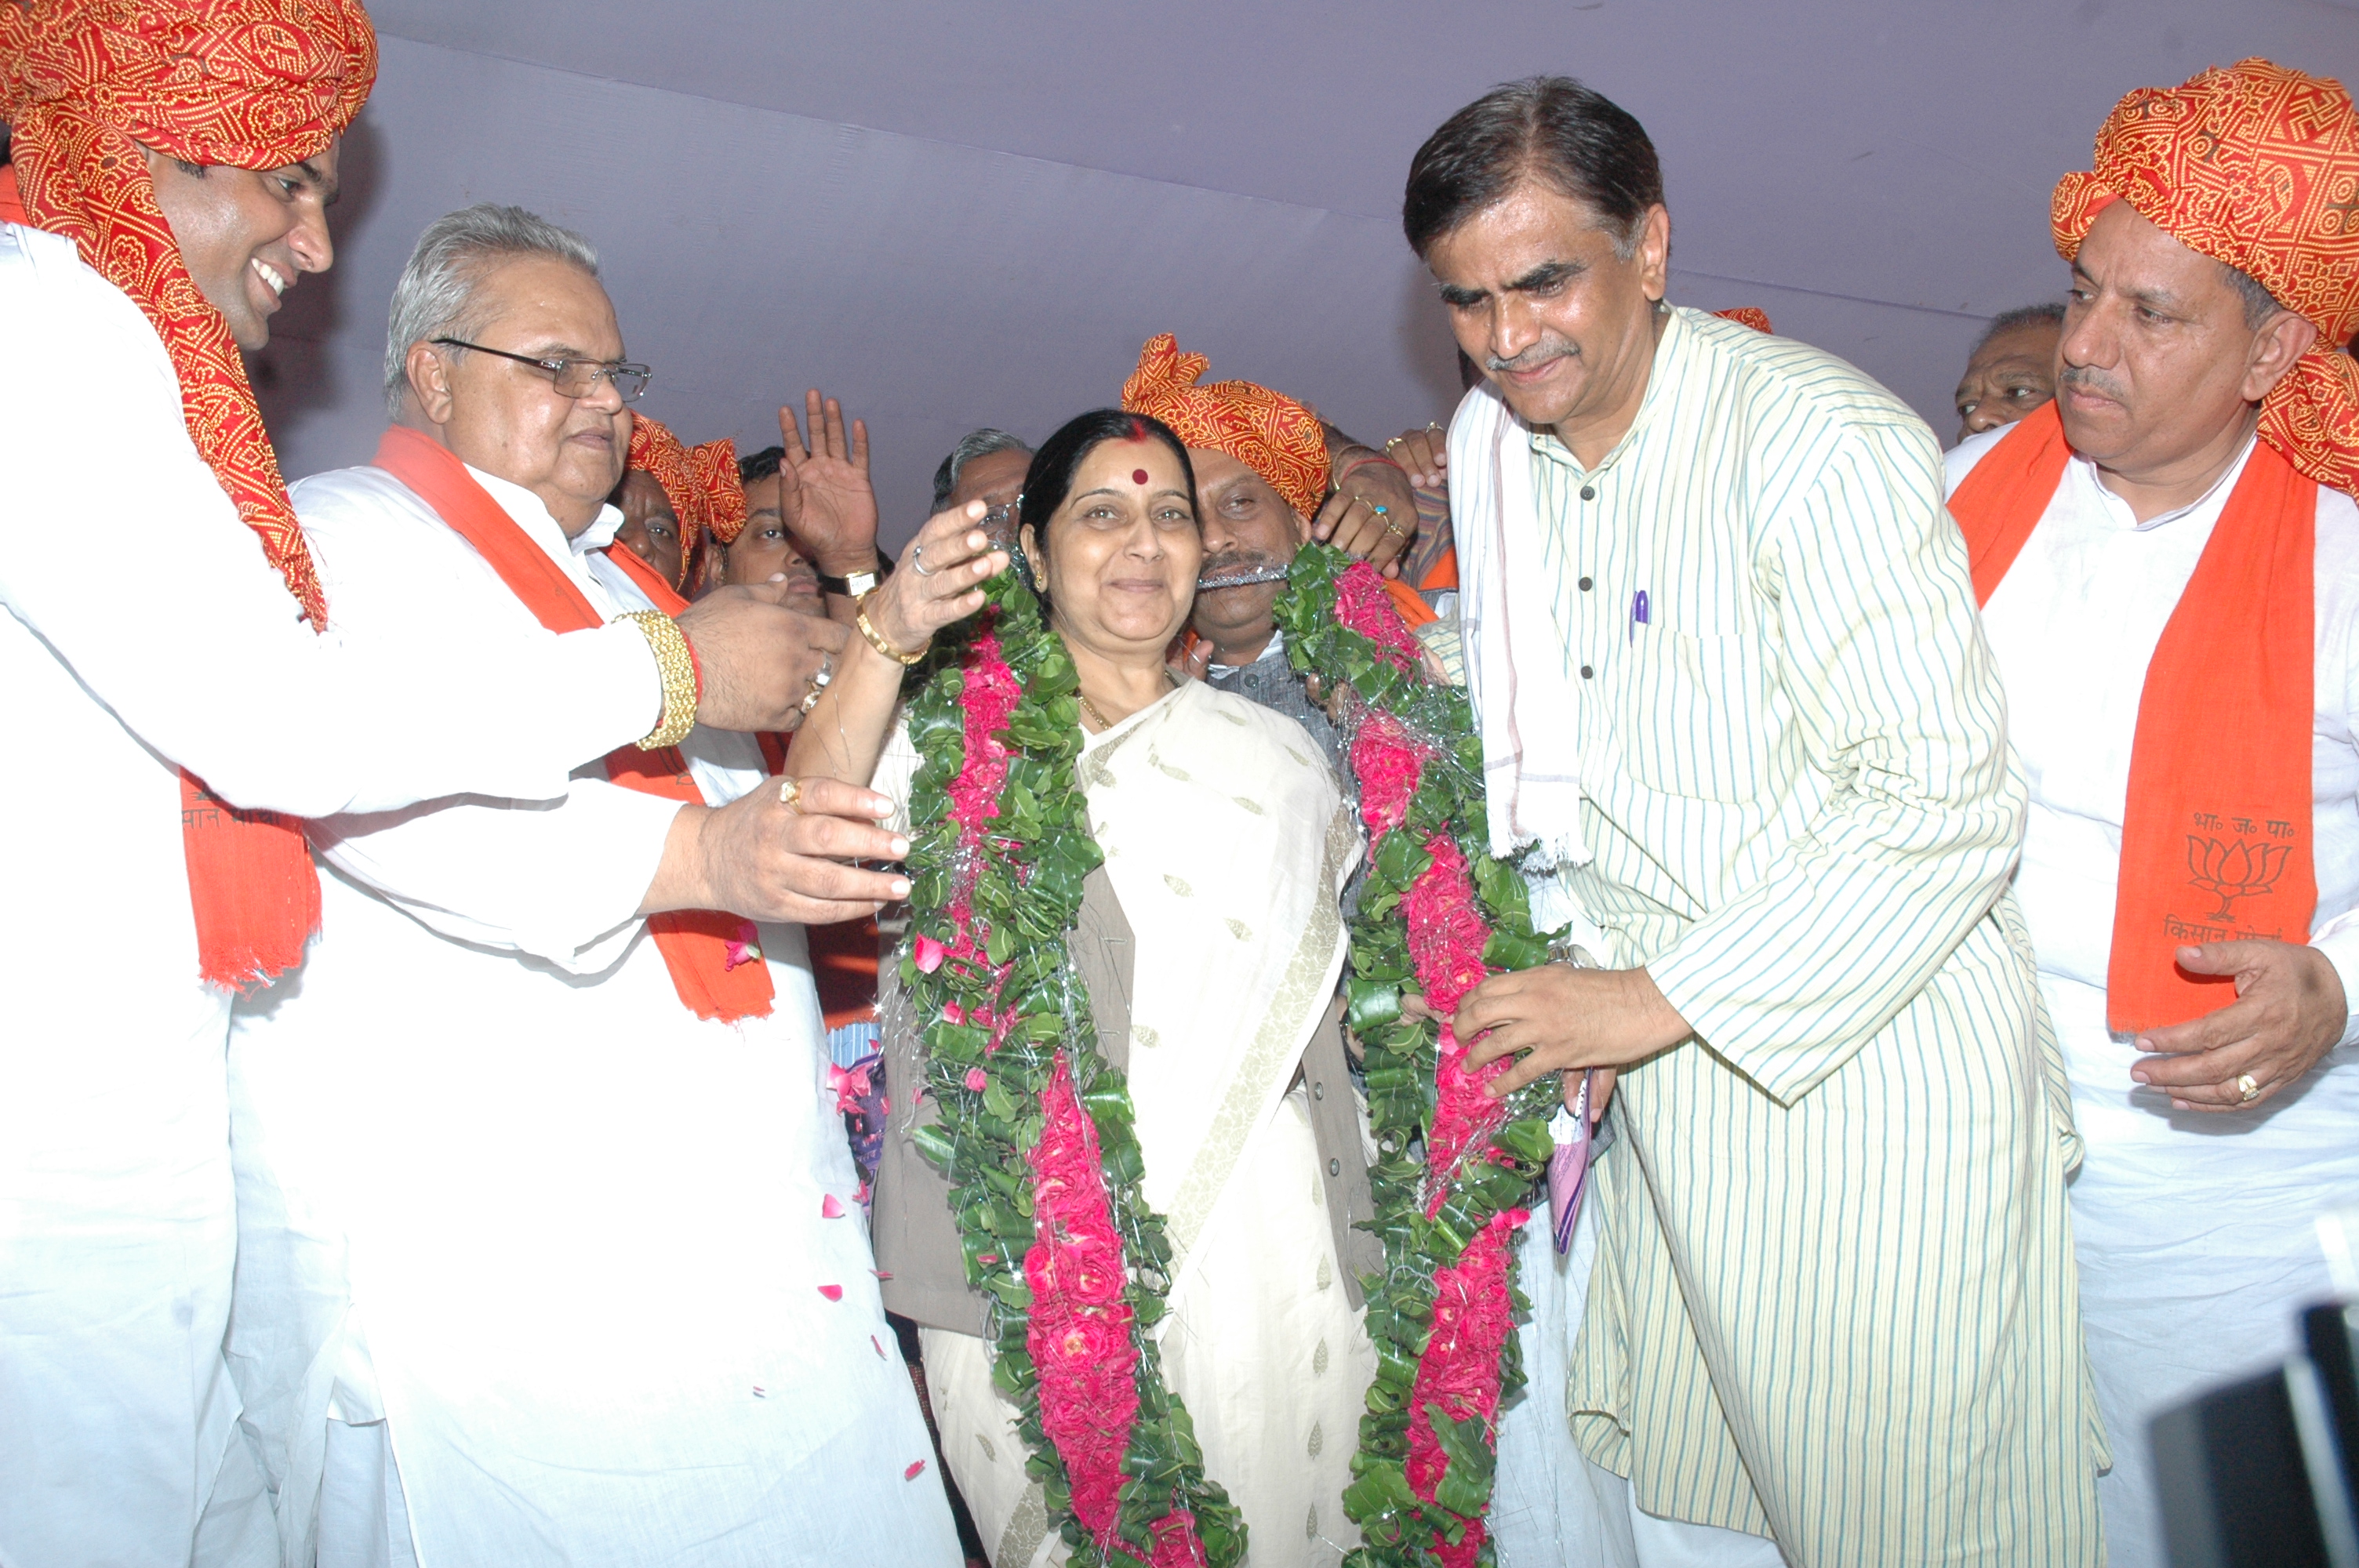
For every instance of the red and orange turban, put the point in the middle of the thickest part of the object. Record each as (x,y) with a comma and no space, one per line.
(700,481)
(1276,437)
(2257,166)
(253,83)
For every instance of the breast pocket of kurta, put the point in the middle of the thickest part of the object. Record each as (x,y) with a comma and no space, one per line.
(1689,713)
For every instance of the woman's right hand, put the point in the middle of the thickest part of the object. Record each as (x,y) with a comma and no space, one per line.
(936,582)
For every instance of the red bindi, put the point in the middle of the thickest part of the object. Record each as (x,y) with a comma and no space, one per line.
(1138,476)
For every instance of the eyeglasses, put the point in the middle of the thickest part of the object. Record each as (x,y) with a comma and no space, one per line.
(574,378)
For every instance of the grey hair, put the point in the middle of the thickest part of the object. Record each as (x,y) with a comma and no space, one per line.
(975,444)
(437,288)
(2259,303)
(2046,313)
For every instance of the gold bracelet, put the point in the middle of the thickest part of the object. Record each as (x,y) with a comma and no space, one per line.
(877,639)
(676,664)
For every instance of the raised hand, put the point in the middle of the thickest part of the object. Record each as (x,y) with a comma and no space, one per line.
(1373,513)
(939,580)
(823,487)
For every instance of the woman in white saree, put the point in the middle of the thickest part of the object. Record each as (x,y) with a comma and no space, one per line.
(1227,842)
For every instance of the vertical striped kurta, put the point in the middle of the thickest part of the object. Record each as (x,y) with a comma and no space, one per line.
(1835,1299)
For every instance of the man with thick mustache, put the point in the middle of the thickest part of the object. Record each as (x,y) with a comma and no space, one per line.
(1262,482)
(1723,654)
(2168,557)
(171,164)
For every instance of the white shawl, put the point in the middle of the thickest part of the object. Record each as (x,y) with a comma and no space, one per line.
(1514,644)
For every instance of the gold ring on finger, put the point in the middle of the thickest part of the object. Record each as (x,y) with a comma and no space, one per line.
(790,794)
(2248,1088)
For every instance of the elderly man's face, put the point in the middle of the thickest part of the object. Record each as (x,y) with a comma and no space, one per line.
(766,547)
(1248,527)
(1539,298)
(246,234)
(996,479)
(2158,363)
(508,418)
(2009,377)
(650,527)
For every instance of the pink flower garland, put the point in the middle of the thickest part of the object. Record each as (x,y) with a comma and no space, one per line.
(1080,1329)
(1473,1310)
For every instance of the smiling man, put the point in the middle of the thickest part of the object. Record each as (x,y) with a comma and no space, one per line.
(172,161)
(2168,560)
(1723,648)
(545,1240)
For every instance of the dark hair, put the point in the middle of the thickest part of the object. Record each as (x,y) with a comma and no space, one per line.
(2050,314)
(1050,479)
(755,467)
(972,445)
(1581,143)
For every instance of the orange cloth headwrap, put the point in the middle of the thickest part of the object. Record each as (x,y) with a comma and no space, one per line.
(2257,166)
(700,481)
(1276,437)
(251,84)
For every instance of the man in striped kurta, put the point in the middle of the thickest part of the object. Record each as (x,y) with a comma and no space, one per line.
(1731,689)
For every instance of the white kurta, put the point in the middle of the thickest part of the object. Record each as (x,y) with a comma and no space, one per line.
(598,1266)
(143,630)
(2194,1229)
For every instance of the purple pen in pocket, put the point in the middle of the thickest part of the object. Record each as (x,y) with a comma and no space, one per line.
(1568,1170)
(1639,614)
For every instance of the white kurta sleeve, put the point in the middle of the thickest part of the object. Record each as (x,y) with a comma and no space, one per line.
(560,880)
(1880,652)
(120,550)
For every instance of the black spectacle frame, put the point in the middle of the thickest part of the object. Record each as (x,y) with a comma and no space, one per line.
(574,378)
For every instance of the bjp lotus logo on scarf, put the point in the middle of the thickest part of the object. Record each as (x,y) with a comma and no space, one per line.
(2233,869)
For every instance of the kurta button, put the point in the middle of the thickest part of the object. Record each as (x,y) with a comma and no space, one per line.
(1588,492)
(1586,585)
(1586,672)
(1334,1167)
(1319,1091)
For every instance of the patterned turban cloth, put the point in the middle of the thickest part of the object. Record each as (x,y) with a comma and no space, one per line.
(1276,437)
(700,481)
(250,83)
(2257,166)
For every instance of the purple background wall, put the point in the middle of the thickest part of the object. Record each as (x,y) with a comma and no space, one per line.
(952,215)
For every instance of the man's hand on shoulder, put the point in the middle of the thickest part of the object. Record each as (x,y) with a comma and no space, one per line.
(759,658)
(2288,1013)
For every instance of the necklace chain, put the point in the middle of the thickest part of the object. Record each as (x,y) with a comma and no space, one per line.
(1091,709)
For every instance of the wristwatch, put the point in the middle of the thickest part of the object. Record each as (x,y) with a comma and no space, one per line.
(851,586)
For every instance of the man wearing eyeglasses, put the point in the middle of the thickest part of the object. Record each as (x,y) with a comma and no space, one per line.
(548,1235)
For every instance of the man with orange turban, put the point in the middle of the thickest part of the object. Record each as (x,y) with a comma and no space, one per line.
(1262,486)
(2167,558)
(697,486)
(172,162)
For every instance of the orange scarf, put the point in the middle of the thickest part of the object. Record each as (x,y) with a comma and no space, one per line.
(253,83)
(695,944)
(2216,832)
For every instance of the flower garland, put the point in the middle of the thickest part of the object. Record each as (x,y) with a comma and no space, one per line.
(1036,1130)
(1436,915)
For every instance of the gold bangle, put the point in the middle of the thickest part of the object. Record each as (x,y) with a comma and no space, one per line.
(678,667)
(877,639)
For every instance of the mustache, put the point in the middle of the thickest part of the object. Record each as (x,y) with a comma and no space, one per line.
(2087,376)
(1539,355)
